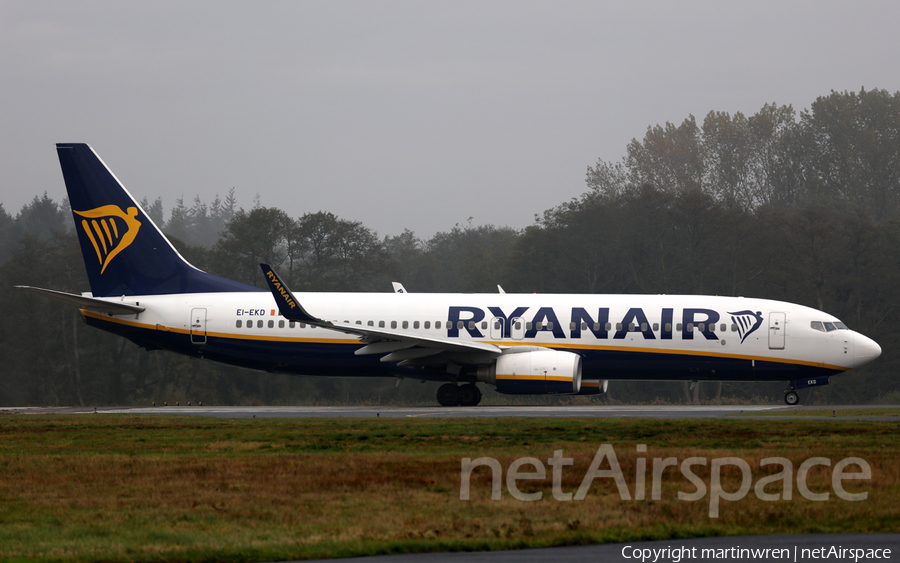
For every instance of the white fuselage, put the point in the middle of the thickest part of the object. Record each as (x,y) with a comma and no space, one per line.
(610,331)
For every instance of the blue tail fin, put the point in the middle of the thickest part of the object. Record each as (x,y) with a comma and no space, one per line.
(123,250)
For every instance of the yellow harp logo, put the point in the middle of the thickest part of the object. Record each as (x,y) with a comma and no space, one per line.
(110,230)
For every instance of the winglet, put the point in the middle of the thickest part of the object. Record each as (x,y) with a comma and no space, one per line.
(289,306)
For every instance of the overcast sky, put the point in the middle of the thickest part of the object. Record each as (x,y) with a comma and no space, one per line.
(400,114)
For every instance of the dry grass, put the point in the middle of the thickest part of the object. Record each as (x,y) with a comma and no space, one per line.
(848,411)
(127,488)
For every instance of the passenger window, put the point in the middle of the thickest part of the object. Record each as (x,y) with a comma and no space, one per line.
(437,324)
(596,327)
(518,325)
(723,327)
(280,324)
(249,324)
(572,326)
(618,326)
(497,325)
(668,327)
(655,327)
(359,322)
(701,327)
(293,324)
(393,324)
(371,323)
(427,324)
(829,327)
(380,324)
(608,326)
(631,327)
(483,325)
(678,327)
(302,325)
(549,326)
(258,324)
(690,326)
(471,325)
(643,327)
(239,323)
(734,328)
(527,326)
(817,325)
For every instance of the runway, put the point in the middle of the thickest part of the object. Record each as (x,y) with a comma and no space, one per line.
(569,411)
(734,549)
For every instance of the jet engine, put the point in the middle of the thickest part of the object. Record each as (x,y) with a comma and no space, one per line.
(538,372)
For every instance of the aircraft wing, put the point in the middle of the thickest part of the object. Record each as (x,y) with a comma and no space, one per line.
(92,303)
(407,348)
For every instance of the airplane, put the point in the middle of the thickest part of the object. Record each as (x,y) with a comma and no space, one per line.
(529,344)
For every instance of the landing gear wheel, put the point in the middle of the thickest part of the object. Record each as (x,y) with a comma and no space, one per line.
(791,398)
(469,395)
(448,395)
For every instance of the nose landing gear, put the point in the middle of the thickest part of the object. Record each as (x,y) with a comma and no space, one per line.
(791,398)
(451,395)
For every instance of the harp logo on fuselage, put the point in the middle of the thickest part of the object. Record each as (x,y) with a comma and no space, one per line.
(747,322)
(110,230)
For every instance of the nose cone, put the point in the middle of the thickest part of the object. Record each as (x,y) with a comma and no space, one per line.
(865,350)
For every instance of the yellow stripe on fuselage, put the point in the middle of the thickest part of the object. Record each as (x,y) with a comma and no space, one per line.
(670,351)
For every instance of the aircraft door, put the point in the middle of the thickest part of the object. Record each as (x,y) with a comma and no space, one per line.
(776,331)
(198,326)
(517,328)
(497,328)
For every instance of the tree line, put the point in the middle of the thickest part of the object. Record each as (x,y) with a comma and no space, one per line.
(803,208)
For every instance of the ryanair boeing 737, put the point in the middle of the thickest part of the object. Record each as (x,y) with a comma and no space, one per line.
(142,289)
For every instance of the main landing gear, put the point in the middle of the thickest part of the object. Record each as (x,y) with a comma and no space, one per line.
(451,395)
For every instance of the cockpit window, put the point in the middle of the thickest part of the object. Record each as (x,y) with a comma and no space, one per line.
(827,326)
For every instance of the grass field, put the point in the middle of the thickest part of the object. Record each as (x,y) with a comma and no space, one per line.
(154,488)
(847,411)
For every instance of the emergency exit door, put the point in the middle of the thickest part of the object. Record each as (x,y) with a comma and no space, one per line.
(198,326)
(776,331)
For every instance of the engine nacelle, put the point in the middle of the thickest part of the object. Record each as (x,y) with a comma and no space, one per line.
(534,373)
(594,386)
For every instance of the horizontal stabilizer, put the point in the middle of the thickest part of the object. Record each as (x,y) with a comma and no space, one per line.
(92,303)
